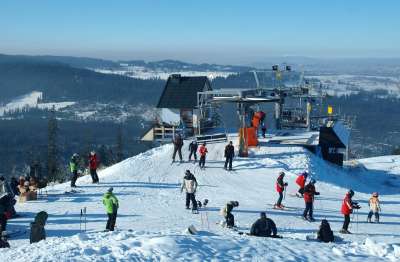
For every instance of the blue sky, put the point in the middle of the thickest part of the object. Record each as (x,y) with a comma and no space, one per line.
(201,31)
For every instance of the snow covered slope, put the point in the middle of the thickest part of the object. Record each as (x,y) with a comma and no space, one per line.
(152,219)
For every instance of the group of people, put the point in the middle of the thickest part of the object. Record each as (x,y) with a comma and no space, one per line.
(308,192)
(74,167)
(177,141)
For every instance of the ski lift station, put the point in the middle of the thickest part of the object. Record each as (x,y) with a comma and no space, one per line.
(189,106)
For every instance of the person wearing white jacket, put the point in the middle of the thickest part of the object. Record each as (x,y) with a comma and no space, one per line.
(190,185)
(374,207)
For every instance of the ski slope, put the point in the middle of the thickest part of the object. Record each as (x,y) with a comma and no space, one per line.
(152,220)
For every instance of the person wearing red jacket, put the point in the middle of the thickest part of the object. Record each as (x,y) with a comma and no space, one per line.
(93,163)
(203,152)
(301,181)
(347,208)
(280,187)
(309,193)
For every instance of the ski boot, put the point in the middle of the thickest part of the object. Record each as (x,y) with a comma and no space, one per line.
(344,231)
(369,220)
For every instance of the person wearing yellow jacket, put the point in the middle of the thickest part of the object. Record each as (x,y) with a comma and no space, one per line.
(110,202)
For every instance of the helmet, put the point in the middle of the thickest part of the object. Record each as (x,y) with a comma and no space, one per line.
(313,181)
(281,173)
(187,172)
(235,203)
(305,173)
(351,192)
(375,194)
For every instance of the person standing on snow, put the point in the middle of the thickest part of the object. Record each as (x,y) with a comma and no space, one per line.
(301,181)
(229,154)
(73,166)
(178,143)
(264,227)
(203,152)
(347,208)
(374,207)
(193,150)
(309,193)
(110,202)
(190,185)
(93,163)
(280,187)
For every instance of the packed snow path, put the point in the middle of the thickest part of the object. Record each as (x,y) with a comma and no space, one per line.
(152,217)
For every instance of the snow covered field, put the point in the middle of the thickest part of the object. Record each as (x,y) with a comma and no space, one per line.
(145,73)
(152,219)
(31,100)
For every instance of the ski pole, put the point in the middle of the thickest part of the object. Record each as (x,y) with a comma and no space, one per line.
(80,222)
(84,211)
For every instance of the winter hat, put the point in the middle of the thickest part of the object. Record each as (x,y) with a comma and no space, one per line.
(305,173)
(313,181)
(281,173)
(187,172)
(110,189)
(235,203)
(375,194)
(263,215)
(351,192)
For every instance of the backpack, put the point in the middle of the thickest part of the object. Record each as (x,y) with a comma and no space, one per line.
(325,233)
(37,227)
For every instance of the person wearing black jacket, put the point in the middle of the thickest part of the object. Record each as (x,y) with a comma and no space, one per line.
(193,150)
(264,227)
(178,143)
(229,154)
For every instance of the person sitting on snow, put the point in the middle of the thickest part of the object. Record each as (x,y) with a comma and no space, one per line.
(264,227)
(325,233)
(374,207)
(226,212)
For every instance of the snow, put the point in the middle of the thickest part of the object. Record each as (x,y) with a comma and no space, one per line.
(145,73)
(152,220)
(31,100)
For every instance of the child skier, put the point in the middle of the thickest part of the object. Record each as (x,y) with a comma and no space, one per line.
(347,208)
(110,202)
(374,207)
(280,187)
(301,181)
(193,150)
(203,152)
(190,185)
(309,193)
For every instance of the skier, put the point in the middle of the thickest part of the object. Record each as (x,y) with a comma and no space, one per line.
(309,193)
(264,227)
(263,129)
(190,185)
(178,143)
(374,207)
(301,181)
(226,212)
(325,233)
(193,150)
(347,208)
(73,165)
(110,202)
(93,163)
(229,154)
(280,187)
(203,152)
